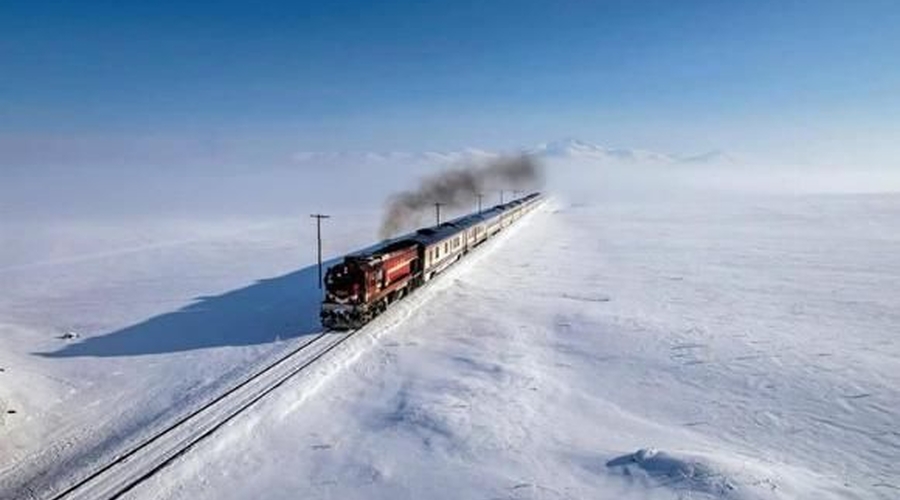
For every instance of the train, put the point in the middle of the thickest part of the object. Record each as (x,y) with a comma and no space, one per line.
(365,284)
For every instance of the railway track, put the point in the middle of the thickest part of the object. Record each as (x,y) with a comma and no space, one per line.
(142,461)
(129,469)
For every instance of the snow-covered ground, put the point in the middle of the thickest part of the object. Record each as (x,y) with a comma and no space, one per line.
(621,345)
(163,311)
(695,350)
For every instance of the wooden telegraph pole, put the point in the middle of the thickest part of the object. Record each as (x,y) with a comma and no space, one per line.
(319,218)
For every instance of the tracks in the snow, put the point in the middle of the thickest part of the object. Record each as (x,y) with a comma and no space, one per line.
(127,470)
(142,461)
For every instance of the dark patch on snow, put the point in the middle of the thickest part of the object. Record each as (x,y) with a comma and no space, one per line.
(527,490)
(688,346)
(751,357)
(492,369)
(362,473)
(678,473)
(576,351)
(587,298)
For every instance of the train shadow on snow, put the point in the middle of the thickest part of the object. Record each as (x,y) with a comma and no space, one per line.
(270,309)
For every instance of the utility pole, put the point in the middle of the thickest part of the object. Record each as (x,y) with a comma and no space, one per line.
(480,196)
(501,196)
(319,218)
(437,213)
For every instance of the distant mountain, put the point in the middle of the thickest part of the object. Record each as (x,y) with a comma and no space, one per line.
(710,158)
(400,157)
(565,149)
(574,148)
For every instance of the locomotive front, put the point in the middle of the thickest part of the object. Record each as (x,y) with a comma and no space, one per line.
(363,286)
(344,296)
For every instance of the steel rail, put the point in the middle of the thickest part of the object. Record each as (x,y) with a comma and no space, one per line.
(196,412)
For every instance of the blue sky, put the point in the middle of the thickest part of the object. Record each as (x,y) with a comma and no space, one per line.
(803,81)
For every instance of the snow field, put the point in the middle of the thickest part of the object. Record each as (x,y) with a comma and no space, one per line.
(695,351)
(167,313)
(671,348)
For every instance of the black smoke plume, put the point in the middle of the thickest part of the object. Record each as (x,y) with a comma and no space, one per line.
(458,188)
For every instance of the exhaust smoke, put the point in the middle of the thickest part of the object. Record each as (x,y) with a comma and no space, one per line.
(458,188)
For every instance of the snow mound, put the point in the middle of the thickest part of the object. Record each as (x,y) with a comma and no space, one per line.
(692,476)
(425,419)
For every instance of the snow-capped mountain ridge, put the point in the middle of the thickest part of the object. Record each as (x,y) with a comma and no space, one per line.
(715,156)
(574,149)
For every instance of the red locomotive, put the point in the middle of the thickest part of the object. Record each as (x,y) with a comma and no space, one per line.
(365,284)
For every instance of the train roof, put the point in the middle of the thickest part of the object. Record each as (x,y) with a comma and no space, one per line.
(428,235)
(432,234)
